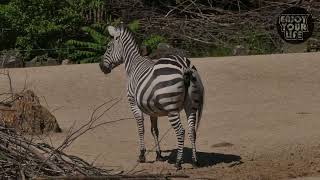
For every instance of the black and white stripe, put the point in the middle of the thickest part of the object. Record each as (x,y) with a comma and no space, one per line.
(157,88)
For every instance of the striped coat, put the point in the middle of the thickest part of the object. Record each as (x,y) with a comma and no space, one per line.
(157,88)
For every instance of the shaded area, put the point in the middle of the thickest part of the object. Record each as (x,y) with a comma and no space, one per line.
(222,144)
(205,158)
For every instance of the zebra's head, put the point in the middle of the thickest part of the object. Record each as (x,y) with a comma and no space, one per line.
(113,55)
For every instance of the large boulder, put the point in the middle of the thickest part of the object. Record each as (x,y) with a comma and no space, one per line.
(27,115)
(11,59)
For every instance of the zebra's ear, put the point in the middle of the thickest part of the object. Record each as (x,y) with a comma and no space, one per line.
(113,31)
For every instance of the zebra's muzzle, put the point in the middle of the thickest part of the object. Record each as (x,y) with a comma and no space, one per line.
(105,69)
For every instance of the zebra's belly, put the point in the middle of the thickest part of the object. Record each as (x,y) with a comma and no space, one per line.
(162,104)
(161,92)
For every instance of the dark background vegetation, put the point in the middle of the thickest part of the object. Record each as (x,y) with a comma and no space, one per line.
(76,29)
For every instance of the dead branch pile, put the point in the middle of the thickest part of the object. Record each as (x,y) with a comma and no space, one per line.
(23,158)
(205,24)
(216,26)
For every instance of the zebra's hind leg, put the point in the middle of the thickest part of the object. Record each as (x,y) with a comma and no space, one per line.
(191,107)
(155,134)
(174,119)
(193,136)
(138,115)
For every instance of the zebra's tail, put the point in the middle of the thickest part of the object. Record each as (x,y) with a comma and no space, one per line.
(195,91)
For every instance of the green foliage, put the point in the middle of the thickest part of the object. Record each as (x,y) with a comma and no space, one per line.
(3,156)
(92,47)
(152,42)
(259,42)
(134,26)
(40,24)
(7,36)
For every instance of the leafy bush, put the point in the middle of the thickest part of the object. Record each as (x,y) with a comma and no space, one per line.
(90,49)
(134,26)
(40,24)
(152,42)
(259,42)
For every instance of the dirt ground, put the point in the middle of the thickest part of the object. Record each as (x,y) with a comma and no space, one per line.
(260,120)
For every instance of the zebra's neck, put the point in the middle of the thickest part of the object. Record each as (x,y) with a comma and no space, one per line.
(130,61)
(130,52)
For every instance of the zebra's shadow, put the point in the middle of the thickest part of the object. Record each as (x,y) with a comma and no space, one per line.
(205,159)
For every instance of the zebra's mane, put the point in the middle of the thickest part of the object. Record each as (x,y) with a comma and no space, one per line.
(127,32)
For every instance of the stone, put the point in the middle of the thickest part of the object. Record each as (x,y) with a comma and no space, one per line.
(313,45)
(51,62)
(11,59)
(240,50)
(143,50)
(43,60)
(66,62)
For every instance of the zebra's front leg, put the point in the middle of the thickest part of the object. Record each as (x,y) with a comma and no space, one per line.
(155,134)
(138,115)
(193,137)
(174,119)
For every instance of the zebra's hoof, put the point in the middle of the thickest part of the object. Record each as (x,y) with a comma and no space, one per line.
(178,166)
(195,164)
(160,158)
(142,159)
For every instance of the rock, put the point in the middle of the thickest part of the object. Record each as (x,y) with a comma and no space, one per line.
(66,62)
(240,50)
(294,48)
(51,62)
(43,60)
(31,63)
(27,115)
(313,45)
(143,50)
(164,50)
(11,59)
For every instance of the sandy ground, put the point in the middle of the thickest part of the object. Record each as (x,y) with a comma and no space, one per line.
(260,119)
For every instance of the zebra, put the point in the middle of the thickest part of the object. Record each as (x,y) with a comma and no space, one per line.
(161,87)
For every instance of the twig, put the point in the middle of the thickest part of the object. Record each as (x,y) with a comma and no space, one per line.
(7,73)
(239,8)
(145,177)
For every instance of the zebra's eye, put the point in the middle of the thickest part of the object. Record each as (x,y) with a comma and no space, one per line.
(116,38)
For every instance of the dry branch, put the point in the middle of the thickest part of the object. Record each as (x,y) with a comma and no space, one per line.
(20,157)
(7,74)
(193,23)
(116,177)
